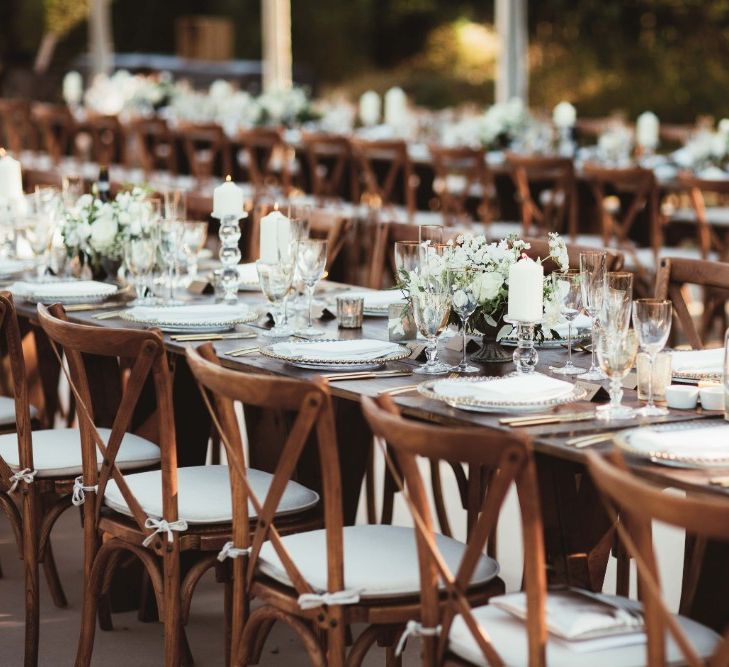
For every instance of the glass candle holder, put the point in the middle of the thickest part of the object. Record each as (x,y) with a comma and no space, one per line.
(661,375)
(350,312)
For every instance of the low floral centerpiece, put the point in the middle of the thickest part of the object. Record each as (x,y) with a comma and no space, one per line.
(487,265)
(95,232)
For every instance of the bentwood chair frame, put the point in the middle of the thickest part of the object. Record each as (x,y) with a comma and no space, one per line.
(475,182)
(57,129)
(559,210)
(205,146)
(675,273)
(379,192)
(16,127)
(614,259)
(639,503)
(509,456)
(329,162)
(708,235)
(108,139)
(266,158)
(155,144)
(40,501)
(96,355)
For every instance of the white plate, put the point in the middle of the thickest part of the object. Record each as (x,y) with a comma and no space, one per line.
(697,364)
(66,292)
(14,267)
(464,401)
(202,318)
(312,361)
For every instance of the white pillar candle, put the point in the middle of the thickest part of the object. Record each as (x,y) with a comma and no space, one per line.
(73,88)
(11,178)
(646,130)
(526,291)
(369,108)
(228,199)
(396,108)
(564,115)
(275,236)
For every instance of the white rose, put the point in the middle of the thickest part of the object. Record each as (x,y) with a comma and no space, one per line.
(460,299)
(564,115)
(104,230)
(487,285)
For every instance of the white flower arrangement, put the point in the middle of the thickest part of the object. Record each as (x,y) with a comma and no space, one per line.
(498,127)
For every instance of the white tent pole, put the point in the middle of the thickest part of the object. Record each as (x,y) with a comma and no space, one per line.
(512,79)
(101,37)
(276,30)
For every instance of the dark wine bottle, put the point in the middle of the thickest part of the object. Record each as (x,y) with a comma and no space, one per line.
(102,185)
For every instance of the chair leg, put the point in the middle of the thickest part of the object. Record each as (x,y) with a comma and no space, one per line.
(172,607)
(186,659)
(370,486)
(52,578)
(31,508)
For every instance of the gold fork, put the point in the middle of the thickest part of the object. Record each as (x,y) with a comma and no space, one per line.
(589,440)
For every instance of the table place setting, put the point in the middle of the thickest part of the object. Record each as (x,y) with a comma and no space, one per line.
(196,318)
(10,267)
(363,354)
(64,291)
(248,277)
(377,302)
(697,364)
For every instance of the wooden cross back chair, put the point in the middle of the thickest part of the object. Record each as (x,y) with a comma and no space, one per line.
(540,248)
(108,139)
(329,161)
(16,129)
(207,150)
(712,222)
(57,129)
(703,517)
(555,208)
(674,274)
(153,515)
(321,581)
(265,158)
(461,175)
(155,145)
(384,167)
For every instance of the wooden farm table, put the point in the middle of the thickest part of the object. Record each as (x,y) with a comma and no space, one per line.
(578,534)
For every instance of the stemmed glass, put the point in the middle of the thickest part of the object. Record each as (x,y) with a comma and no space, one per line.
(275,281)
(431,309)
(194,236)
(141,258)
(616,352)
(464,303)
(407,258)
(175,204)
(592,268)
(617,301)
(652,322)
(567,287)
(432,233)
(170,239)
(310,261)
(39,231)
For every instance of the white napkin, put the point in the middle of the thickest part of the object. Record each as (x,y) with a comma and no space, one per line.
(576,616)
(248,273)
(711,361)
(706,442)
(193,314)
(713,174)
(582,321)
(10,266)
(514,389)
(63,289)
(378,299)
(336,350)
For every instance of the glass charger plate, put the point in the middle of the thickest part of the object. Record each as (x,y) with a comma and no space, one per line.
(318,364)
(214,324)
(478,405)
(688,455)
(36,293)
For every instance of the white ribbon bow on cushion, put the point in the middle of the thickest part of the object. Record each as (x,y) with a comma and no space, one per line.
(313,600)
(25,475)
(79,491)
(163,526)
(415,629)
(229,551)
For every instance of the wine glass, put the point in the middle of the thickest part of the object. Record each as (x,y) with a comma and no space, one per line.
(275,280)
(194,236)
(72,187)
(407,259)
(463,303)
(310,261)
(567,289)
(616,352)
(617,300)
(170,239)
(432,233)
(652,322)
(431,309)
(141,257)
(592,268)
(39,231)
(175,204)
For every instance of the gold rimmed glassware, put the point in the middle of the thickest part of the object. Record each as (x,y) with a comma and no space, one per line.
(592,268)
(652,322)
(567,289)
(616,352)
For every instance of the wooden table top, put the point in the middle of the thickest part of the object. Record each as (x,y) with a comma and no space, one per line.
(549,440)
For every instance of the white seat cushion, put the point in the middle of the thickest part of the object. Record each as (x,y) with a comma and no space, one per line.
(509,637)
(646,257)
(204,494)
(379,560)
(7,411)
(716,216)
(57,452)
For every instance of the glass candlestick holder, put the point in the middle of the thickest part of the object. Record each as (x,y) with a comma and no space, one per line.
(525,354)
(229,255)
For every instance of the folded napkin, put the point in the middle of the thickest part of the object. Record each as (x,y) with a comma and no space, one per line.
(575,615)
(713,174)
(709,442)
(378,299)
(10,266)
(513,389)
(580,322)
(194,314)
(337,350)
(248,273)
(61,289)
(711,361)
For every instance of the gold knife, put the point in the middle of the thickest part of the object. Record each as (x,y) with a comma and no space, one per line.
(333,377)
(588,440)
(538,420)
(220,336)
(81,307)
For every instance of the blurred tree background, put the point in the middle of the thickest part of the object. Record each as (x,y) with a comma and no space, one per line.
(669,56)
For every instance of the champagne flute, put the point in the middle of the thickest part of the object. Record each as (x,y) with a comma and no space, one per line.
(311,260)
(275,280)
(567,287)
(140,258)
(175,204)
(432,233)
(170,238)
(463,303)
(616,352)
(592,268)
(652,322)
(617,300)
(194,236)
(407,259)
(431,309)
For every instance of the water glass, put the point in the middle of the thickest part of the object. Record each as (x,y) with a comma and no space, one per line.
(592,268)
(567,289)
(311,260)
(175,204)
(431,309)
(275,280)
(407,259)
(616,351)
(141,256)
(652,322)
(463,304)
(431,233)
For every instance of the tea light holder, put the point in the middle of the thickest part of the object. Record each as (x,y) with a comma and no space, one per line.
(229,234)
(525,355)
(350,312)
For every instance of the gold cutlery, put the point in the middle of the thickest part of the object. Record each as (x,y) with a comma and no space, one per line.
(108,315)
(399,390)
(242,351)
(589,440)
(212,336)
(364,375)
(81,307)
(722,481)
(539,420)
